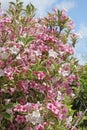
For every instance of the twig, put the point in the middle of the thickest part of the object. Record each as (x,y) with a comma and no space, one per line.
(79,119)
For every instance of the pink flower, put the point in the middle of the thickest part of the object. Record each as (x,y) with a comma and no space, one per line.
(1,63)
(21,108)
(18,108)
(55,10)
(20,119)
(11,127)
(22,101)
(53,108)
(78,84)
(71,78)
(71,25)
(74,35)
(79,114)
(40,75)
(24,108)
(11,90)
(49,106)
(57,104)
(24,85)
(39,127)
(63,15)
(74,128)
(71,50)
(60,116)
(69,90)
(9,71)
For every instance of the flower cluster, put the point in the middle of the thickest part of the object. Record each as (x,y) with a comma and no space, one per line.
(38,73)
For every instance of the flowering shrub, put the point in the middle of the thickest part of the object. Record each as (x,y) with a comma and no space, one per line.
(39,77)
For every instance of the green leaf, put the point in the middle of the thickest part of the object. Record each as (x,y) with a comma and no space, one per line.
(29,39)
(41,68)
(12,3)
(6,116)
(85,118)
(8,106)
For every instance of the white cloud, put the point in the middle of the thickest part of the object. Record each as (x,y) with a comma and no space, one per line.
(66,4)
(83,30)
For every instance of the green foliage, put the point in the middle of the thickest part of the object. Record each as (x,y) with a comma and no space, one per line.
(17,8)
(30,10)
(80,102)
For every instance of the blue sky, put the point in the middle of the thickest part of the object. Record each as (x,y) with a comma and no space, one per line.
(77,10)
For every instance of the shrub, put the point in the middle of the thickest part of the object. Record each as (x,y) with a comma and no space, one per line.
(39,77)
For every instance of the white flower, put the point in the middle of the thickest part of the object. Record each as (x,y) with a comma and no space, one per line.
(21,43)
(52,53)
(4,55)
(28,117)
(14,50)
(63,72)
(17,21)
(7,101)
(73,95)
(38,53)
(24,35)
(36,113)
(9,111)
(54,79)
(18,57)
(69,119)
(1,73)
(34,117)
(59,95)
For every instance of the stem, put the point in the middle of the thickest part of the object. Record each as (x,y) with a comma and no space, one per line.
(18,127)
(79,119)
